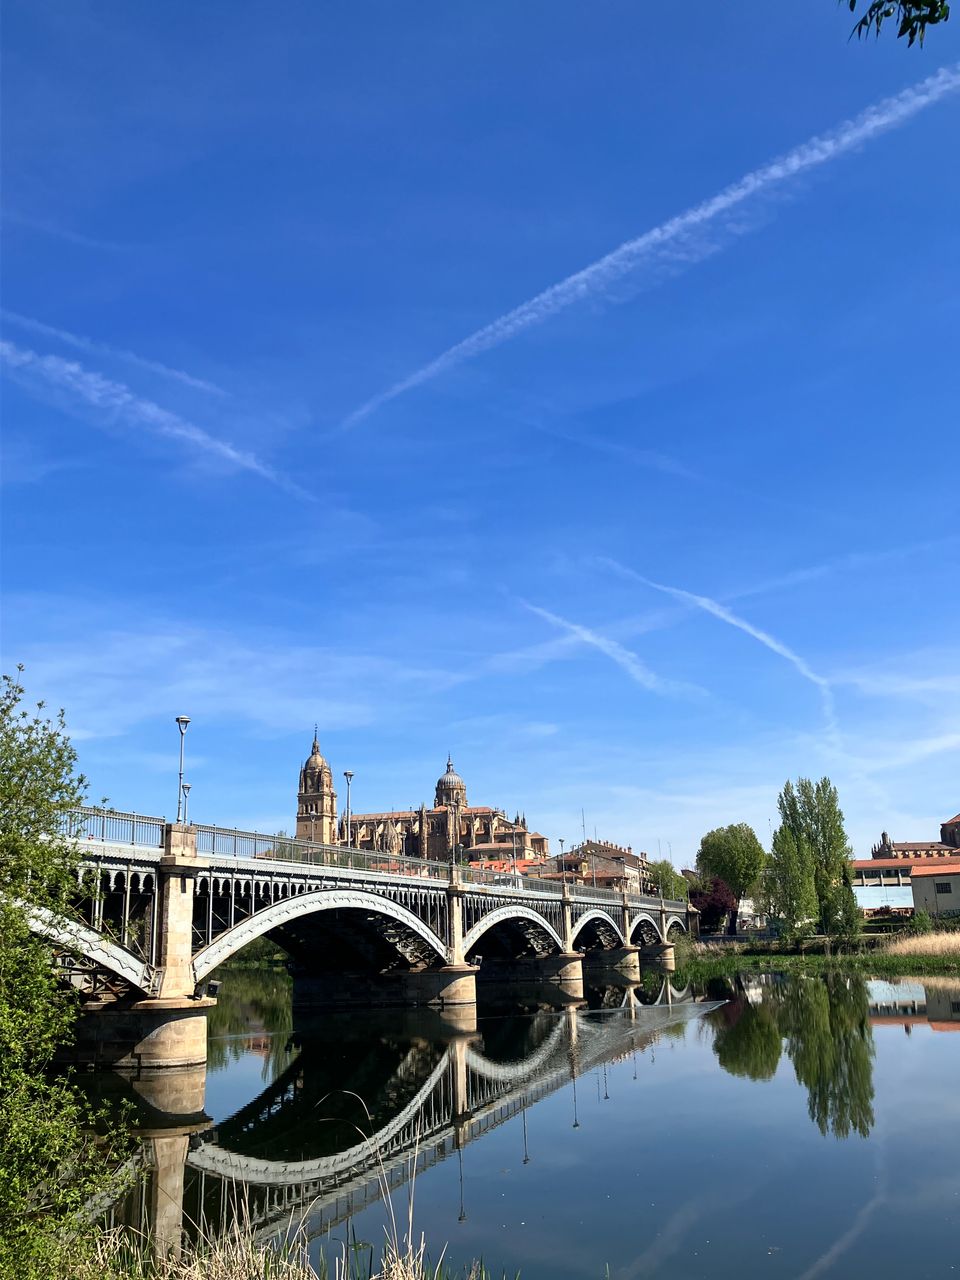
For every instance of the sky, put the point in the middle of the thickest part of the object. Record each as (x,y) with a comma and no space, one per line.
(569,391)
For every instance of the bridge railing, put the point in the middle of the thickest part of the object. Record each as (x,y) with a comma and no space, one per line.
(110,826)
(225,842)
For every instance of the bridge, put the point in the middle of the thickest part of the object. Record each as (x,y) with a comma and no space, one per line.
(160,905)
(425,1100)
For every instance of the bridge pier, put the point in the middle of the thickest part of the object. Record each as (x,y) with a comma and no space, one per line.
(147,1035)
(662,954)
(448,988)
(624,961)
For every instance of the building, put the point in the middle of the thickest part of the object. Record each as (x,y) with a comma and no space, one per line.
(936,889)
(452,827)
(882,882)
(898,850)
(604,864)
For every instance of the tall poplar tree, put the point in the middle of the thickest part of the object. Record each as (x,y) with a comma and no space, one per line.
(811,812)
(790,890)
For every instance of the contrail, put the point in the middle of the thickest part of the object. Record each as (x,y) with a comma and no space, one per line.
(770,642)
(628,661)
(104,349)
(662,242)
(117,403)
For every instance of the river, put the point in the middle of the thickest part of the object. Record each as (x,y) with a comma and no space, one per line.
(774,1126)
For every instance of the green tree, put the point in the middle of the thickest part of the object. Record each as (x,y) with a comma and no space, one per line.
(748,1041)
(812,813)
(790,894)
(49,1163)
(667,880)
(912,16)
(735,855)
(825,1022)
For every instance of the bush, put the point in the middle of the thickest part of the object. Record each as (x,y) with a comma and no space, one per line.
(920,923)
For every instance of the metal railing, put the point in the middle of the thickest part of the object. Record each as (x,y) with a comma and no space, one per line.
(110,826)
(225,842)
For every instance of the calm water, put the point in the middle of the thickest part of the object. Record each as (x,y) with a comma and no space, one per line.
(775,1127)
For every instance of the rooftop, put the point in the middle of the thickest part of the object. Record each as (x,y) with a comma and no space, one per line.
(944,867)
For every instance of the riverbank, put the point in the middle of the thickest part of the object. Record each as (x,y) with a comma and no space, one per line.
(927,955)
(238,1255)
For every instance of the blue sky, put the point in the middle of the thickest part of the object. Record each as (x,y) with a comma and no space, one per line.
(653,543)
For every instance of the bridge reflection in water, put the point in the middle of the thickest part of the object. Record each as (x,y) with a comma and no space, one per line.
(363,1105)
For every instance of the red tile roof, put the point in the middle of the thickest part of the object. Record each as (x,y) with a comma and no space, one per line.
(950,821)
(881,864)
(942,867)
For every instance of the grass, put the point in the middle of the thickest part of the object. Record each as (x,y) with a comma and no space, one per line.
(236,1255)
(926,944)
(905,956)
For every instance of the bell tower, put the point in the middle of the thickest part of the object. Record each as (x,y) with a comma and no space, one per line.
(316,800)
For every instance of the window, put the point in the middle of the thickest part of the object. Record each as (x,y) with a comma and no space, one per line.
(943,886)
(955,1006)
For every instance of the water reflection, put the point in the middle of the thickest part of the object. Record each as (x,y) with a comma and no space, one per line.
(822,1024)
(252,1013)
(354,1104)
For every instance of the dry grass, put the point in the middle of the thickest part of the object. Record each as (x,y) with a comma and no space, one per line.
(925,944)
(237,1256)
(232,1256)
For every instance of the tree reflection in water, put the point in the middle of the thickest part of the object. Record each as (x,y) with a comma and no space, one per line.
(823,1024)
(253,1006)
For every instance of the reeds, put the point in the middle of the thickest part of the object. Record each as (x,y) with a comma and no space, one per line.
(233,1255)
(925,944)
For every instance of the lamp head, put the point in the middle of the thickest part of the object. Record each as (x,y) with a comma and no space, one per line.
(348,774)
(183,721)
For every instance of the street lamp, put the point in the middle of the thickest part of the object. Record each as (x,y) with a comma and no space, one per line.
(563,865)
(348,774)
(182,722)
(185,788)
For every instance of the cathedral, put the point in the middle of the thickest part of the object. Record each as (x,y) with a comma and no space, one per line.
(453,827)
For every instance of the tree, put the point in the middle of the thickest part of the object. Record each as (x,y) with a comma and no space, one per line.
(789,890)
(49,1165)
(912,16)
(667,879)
(735,855)
(714,901)
(813,815)
(748,1040)
(825,1022)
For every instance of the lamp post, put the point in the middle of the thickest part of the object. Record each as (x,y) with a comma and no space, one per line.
(563,865)
(182,722)
(348,774)
(186,796)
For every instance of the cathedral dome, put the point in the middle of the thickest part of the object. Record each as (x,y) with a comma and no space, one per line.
(451,788)
(315,768)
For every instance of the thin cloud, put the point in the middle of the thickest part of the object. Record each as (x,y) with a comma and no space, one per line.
(116,402)
(673,243)
(104,349)
(770,642)
(636,669)
(46,228)
(648,458)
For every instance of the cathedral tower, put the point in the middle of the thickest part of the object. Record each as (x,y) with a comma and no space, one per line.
(317,800)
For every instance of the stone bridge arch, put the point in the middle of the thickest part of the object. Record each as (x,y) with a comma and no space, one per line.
(676,923)
(89,944)
(517,929)
(645,929)
(415,941)
(599,926)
